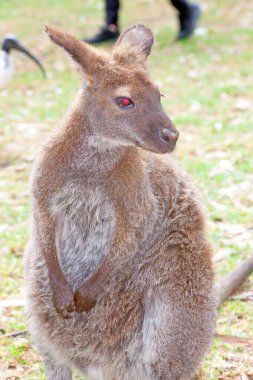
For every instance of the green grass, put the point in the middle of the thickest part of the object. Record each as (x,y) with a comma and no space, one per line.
(207,83)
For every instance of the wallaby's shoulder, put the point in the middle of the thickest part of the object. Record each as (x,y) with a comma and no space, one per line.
(49,166)
(175,188)
(166,172)
(56,155)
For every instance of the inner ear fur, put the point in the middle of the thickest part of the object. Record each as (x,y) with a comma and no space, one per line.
(134,45)
(88,58)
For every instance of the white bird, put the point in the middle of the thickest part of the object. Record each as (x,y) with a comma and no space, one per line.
(6,63)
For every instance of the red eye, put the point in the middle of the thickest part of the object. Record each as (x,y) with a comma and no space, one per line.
(125,102)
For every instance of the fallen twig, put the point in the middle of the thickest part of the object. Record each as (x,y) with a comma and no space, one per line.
(14,334)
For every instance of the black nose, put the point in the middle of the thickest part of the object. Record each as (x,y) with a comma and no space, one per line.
(169,136)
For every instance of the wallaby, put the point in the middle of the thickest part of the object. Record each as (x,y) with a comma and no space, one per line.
(117,245)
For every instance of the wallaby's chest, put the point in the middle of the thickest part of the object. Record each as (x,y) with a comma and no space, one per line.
(87,222)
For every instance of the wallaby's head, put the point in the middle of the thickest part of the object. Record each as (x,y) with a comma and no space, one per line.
(122,104)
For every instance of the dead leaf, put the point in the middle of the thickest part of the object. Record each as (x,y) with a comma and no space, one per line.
(245,296)
(240,342)
(242,104)
(222,254)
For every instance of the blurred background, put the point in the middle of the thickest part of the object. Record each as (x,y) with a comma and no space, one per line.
(207,81)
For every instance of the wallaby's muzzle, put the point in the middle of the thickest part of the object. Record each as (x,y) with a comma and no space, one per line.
(161,139)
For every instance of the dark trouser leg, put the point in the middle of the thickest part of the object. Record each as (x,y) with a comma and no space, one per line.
(110,31)
(188,15)
(112,11)
(181,5)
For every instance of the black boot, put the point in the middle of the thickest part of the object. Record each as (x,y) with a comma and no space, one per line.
(188,21)
(103,35)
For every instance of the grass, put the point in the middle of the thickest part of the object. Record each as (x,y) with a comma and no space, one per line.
(207,82)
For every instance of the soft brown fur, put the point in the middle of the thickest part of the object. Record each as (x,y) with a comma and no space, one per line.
(117,246)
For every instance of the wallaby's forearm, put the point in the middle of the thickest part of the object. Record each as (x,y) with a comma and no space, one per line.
(86,295)
(47,227)
(61,291)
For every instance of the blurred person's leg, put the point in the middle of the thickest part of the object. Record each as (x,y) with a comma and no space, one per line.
(112,12)
(188,15)
(111,30)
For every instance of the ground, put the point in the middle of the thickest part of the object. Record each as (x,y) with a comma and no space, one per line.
(207,83)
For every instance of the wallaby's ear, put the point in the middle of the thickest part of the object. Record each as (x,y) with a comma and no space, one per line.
(82,53)
(134,44)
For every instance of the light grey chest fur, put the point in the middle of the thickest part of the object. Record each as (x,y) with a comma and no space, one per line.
(86,225)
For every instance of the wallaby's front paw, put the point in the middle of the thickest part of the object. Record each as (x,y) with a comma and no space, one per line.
(63,299)
(84,298)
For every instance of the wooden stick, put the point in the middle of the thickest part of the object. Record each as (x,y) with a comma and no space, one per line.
(229,283)
(14,334)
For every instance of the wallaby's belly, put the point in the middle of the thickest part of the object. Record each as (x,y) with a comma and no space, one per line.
(84,238)
(86,226)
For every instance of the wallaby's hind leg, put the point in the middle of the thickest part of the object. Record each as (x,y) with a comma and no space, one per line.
(95,373)
(54,370)
(175,335)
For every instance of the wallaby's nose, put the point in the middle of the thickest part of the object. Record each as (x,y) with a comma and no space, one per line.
(169,136)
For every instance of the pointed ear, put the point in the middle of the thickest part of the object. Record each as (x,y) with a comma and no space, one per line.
(81,52)
(134,45)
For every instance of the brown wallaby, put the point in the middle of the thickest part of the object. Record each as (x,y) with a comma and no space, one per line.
(117,245)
